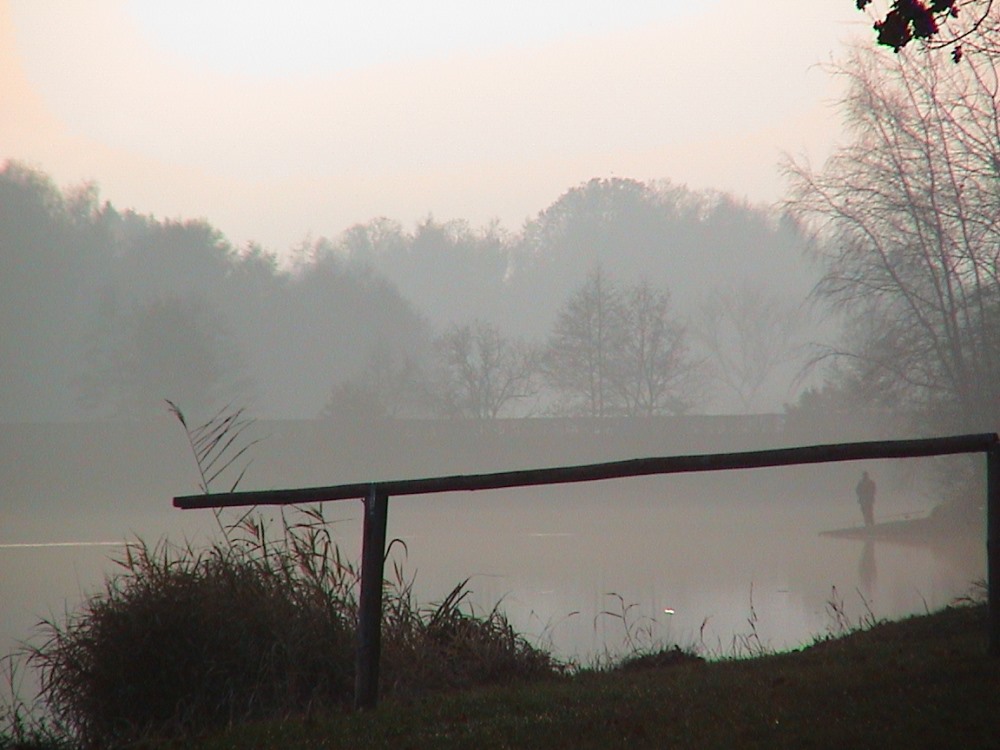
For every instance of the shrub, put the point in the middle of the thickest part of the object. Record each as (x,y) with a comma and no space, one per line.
(443,647)
(181,641)
(259,624)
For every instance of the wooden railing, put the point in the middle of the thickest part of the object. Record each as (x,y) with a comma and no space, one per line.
(376,501)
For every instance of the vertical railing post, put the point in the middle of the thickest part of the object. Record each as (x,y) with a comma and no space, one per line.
(993,545)
(369,645)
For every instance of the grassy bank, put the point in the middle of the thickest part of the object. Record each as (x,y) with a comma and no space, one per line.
(249,642)
(921,682)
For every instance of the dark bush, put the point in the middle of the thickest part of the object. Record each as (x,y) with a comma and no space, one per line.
(182,641)
(260,624)
(444,647)
(254,627)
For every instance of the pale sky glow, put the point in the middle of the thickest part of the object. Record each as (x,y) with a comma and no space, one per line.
(280,120)
(322,37)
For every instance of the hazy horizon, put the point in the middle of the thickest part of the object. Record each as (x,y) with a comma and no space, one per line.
(273,132)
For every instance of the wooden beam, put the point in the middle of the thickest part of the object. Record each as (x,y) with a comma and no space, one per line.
(369,636)
(376,497)
(611,470)
(993,546)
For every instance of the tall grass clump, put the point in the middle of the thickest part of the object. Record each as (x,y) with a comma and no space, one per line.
(185,639)
(641,647)
(23,726)
(446,647)
(258,624)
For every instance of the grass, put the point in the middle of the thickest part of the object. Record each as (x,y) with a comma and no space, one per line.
(258,624)
(921,682)
(250,643)
(454,679)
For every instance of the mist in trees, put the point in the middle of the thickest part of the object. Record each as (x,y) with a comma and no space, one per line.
(437,265)
(481,373)
(388,385)
(51,258)
(180,345)
(108,312)
(906,216)
(748,334)
(690,245)
(618,351)
(688,242)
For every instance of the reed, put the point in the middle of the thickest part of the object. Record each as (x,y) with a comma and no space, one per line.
(258,624)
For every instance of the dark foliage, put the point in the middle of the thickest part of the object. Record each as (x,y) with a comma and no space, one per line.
(256,626)
(185,641)
(939,23)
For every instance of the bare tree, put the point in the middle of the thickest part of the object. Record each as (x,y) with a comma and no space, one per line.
(652,372)
(391,385)
(481,372)
(580,357)
(748,334)
(618,352)
(908,221)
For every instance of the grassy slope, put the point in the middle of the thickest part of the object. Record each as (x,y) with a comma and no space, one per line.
(921,682)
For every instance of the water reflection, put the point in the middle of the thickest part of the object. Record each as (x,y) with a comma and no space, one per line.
(710,552)
(867,569)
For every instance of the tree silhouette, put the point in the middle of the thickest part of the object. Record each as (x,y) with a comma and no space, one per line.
(907,216)
(617,351)
(747,332)
(481,373)
(939,23)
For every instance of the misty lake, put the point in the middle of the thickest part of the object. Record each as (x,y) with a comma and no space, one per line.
(706,560)
(702,560)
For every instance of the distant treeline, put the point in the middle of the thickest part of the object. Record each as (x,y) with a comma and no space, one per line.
(106,312)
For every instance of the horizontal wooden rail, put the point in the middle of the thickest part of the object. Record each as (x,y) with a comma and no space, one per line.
(599,471)
(376,497)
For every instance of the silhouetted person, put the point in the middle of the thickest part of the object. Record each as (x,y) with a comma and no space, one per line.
(866,498)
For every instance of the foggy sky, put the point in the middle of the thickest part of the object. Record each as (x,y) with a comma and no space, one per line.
(457,124)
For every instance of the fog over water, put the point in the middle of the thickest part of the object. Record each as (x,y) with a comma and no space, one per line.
(466,246)
(717,550)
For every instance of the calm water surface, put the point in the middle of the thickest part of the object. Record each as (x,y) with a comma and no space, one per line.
(688,561)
